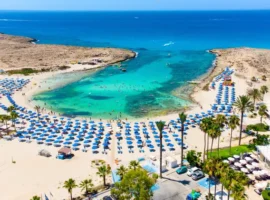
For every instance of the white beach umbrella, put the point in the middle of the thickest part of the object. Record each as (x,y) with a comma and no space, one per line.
(255,164)
(250,167)
(237,164)
(244,170)
(256,173)
(231,159)
(248,159)
(261,185)
(225,161)
(243,162)
(264,172)
(253,156)
(236,156)
(250,176)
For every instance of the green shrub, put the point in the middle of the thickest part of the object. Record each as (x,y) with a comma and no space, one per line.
(24,71)
(64,67)
(266,194)
(261,127)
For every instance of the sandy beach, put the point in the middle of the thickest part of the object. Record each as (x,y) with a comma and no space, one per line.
(35,175)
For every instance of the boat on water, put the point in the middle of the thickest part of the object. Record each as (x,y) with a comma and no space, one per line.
(168,44)
(123,70)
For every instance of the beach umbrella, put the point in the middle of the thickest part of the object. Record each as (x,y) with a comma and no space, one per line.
(138,137)
(76,144)
(167,140)
(58,141)
(118,135)
(129,142)
(139,142)
(89,136)
(170,145)
(67,142)
(255,164)
(105,144)
(237,164)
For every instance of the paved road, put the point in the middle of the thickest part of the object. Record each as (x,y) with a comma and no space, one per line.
(174,186)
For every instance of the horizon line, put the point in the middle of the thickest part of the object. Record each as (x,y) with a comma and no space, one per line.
(167,10)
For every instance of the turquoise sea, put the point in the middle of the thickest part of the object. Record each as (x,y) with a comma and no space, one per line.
(172,49)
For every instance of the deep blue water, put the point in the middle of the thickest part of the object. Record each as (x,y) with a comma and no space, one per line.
(158,70)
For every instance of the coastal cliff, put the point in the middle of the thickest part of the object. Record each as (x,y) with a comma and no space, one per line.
(22,52)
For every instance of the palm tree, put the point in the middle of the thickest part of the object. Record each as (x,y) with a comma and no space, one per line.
(5,119)
(103,171)
(13,117)
(210,167)
(70,184)
(134,164)
(221,121)
(205,126)
(37,108)
(10,109)
(242,104)
(86,185)
(262,111)
(160,126)
(264,90)
(233,123)
(121,171)
(183,118)
(221,173)
(35,198)
(238,192)
(255,94)
(214,132)
(228,180)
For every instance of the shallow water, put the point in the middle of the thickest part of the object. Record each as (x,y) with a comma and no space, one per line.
(145,89)
(179,39)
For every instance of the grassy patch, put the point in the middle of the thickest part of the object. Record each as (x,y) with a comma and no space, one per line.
(225,152)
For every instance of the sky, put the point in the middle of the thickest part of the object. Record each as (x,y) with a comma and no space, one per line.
(134,4)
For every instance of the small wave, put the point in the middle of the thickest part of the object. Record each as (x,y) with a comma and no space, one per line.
(137,54)
(15,20)
(168,44)
(217,19)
